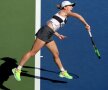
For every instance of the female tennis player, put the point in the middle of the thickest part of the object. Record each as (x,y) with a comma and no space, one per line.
(44,38)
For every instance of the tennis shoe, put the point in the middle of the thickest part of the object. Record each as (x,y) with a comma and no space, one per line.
(16,73)
(65,74)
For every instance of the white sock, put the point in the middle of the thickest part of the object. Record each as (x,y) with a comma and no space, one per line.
(19,67)
(62,69)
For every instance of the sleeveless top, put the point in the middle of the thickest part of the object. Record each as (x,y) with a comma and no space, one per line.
(57,21)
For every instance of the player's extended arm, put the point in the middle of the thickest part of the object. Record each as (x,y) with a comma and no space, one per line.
(76,15)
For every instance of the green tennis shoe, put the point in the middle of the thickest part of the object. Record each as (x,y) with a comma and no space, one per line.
(65,74)
(16,73)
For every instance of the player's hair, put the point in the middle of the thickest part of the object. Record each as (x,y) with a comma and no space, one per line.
(59,6)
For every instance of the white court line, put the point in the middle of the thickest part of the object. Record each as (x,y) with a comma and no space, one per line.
(37,56)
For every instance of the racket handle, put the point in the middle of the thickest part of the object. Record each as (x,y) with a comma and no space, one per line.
(90,33)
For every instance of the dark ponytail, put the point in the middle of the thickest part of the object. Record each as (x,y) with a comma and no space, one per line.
(59,6)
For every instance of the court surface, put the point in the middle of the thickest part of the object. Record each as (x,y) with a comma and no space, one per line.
(76,51)
(16,38)
(17,29)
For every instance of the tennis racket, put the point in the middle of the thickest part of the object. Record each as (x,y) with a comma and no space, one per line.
(94,45)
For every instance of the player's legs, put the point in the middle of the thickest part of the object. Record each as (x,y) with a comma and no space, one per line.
(54,50)
(38,44)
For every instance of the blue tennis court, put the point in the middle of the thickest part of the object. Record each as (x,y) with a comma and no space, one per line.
(76,51)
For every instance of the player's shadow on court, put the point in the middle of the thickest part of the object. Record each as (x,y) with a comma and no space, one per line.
(46,78)
(6,71)
(9,63)
(52,80)
(74,75)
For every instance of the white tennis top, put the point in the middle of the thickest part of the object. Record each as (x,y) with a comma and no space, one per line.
(57,21)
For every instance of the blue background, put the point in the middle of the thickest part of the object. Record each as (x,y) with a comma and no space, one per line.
(76,51)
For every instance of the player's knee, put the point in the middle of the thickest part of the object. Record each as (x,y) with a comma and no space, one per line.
(33,53)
